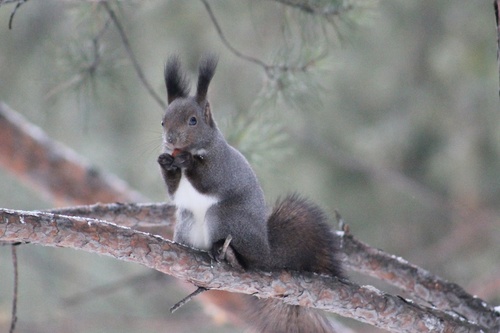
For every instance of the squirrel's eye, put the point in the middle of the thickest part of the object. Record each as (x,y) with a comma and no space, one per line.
(192,121)
(162,123)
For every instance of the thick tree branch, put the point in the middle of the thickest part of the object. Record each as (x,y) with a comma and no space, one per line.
(417,282)
(156,218)
(359,257)
(347,299)
(53,169)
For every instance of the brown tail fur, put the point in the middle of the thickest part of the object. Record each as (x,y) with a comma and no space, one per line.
(300,240)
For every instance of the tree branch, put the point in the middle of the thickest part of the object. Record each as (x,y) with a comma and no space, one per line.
(417,282)
(55,170)
(226,43)
(497,19)
(270,70)
(326,293)
(359,257)
(131,55)
(11,19)
(157,219)
(327,10)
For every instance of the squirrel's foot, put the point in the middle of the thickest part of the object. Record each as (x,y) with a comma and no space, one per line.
(222,251)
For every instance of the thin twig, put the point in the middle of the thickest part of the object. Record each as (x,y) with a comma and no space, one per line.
(307,7)
(497,19)
(89,69)
(269,69)
(92,68)
(11,19)
(226,42)
(186,299)
(14,296)
(131,55)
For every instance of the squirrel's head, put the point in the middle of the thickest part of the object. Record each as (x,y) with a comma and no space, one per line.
(188,124)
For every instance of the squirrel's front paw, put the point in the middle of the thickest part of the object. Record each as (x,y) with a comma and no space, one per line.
(166,161)
(183,159)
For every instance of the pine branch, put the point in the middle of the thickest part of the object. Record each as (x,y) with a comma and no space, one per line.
(420,284)
(11,19)
(131,55)
(313,8)
(53,169)
(226,43)
(89,60)
(157,219)
(329,294)
(270,70)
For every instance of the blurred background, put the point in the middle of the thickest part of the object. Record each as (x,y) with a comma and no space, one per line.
(387,112)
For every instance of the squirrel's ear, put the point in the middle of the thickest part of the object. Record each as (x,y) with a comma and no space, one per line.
(207,114)
(205,74)
(176,82)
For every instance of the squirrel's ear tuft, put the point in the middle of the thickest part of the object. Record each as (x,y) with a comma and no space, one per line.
(205,74)
(207,113)
(176,81)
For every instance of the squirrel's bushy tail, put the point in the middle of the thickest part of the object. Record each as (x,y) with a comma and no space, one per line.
(301,240)
(273,316)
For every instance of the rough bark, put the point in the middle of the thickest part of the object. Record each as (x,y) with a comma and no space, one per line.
(420,284)
(363,303)
(424,287)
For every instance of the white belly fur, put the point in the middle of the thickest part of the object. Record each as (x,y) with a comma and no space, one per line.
(187,197)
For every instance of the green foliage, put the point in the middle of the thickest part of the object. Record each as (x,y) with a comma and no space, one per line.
(259,135)
(309,31)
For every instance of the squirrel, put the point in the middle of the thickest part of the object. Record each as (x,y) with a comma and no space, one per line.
(217,195)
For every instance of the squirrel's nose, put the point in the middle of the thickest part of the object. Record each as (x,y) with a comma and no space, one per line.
(170,138)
